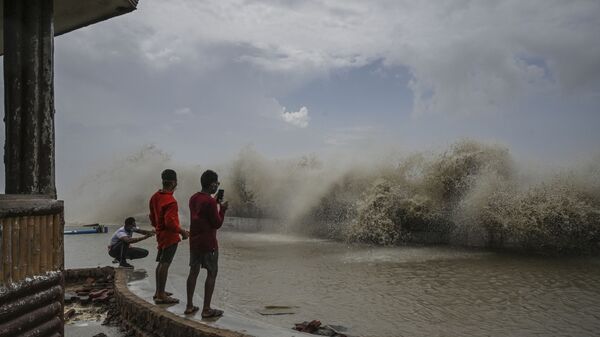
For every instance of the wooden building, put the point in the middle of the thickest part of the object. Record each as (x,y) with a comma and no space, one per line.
(31,219)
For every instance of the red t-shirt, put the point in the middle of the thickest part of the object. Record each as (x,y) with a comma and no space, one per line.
(205,220)
(164,218)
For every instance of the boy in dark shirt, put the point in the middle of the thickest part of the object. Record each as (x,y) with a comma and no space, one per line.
(207,215)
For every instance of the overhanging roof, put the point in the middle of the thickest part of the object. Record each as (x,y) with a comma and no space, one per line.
(70,15)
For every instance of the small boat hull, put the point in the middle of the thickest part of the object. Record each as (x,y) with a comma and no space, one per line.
(97,230)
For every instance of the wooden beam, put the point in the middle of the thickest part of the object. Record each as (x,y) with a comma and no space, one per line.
(37,246)
(23,247)
(31,246)
(16,275)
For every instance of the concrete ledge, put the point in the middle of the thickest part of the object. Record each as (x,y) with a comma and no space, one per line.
(150,320)
(17,205)
(80,274)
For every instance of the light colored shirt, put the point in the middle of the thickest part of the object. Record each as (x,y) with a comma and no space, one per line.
(119,234)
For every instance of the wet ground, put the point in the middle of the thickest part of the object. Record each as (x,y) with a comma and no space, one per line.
(374,291)
(90,329)
(143,286)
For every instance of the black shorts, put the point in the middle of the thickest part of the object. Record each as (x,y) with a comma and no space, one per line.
(207,260)
(165,255)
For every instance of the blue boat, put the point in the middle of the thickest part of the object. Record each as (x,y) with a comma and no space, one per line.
(96,229)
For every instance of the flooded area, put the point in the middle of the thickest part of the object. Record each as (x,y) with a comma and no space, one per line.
(378,291)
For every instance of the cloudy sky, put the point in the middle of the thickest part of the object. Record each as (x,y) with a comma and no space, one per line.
(202,79)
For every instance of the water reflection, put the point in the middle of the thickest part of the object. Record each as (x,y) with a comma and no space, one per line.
(136,275)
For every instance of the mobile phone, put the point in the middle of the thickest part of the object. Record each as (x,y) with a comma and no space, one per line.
(220,195)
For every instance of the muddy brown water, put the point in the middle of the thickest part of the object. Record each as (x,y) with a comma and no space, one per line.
(377,291)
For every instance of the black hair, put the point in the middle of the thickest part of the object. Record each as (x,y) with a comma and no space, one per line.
(208,177)
(129,221)
(168,175)
(169,179)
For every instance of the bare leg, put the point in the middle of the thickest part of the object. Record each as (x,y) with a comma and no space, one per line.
(209,287)
(156,277)
(191,285)
(162,274)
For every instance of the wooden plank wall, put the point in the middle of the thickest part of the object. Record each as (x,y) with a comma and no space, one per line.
(30,245)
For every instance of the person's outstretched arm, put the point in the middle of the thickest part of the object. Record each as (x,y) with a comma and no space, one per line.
(129,240)
(144,232)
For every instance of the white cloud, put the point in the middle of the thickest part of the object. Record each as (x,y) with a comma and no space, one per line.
(225,60)
(477,56)
(464,56)
(183,111)
(298,118)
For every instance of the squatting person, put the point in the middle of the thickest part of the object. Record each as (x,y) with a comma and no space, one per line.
(120,248)
(207,216)
(164,218)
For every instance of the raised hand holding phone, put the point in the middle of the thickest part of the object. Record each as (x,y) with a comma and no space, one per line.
(220,195)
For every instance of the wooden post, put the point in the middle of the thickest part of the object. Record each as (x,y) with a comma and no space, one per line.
(57,242)
(53,242)
(48,246)
(1,252)
(16,274)
(37,238)
(7,249)
(23,247)
(49,243)
(43,243)
(31,245)
(61,241)
(29,97)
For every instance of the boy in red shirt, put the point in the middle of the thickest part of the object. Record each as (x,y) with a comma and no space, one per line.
(164,218)
(207,215)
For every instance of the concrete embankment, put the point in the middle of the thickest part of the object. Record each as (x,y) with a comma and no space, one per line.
(148,320)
